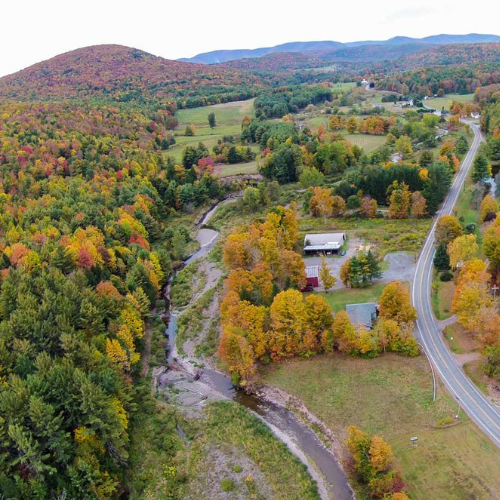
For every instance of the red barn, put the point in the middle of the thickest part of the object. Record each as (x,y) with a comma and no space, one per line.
(312,274)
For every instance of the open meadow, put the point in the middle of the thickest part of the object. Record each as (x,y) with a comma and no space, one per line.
(367,142)
(384,235)
(392,396)
(228,118)
(440,102)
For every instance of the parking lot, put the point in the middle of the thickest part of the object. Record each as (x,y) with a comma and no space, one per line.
(401,265)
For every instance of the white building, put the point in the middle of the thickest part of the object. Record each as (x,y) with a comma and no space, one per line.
(323,243)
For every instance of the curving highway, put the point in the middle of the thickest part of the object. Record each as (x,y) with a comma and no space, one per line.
(471,400)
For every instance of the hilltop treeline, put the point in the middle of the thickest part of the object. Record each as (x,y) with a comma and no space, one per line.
(451,79)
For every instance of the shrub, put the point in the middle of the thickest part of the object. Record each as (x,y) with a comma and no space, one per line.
(227,484)
(446,276)
(443,422)
(471,228)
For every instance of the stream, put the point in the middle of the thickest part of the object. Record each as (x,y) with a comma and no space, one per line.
(276,416)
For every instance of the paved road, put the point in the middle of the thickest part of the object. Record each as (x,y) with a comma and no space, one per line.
(471,400)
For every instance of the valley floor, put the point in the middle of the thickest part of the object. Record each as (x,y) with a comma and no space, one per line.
(392,396)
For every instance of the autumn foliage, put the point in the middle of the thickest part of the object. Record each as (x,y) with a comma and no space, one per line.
(371,459)
(264,316)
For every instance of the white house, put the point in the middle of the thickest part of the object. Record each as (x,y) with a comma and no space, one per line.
(404,104)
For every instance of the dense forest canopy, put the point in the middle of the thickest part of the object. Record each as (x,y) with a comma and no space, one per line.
(86,199)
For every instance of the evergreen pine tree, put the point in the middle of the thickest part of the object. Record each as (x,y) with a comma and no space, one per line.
(462,146)
(355,273)
(62,260)
(481,171)
(375,271)
(441,258)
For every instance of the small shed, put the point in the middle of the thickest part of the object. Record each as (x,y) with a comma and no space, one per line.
(323,243)
(312,276)
(362,314)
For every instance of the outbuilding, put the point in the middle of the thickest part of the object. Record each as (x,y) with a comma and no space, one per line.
(362,314)
(326,243)
(312,276)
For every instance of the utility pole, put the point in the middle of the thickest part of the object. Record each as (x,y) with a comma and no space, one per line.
(494,288)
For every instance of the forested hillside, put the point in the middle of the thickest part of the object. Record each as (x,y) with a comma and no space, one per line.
(86,199)
(123,74)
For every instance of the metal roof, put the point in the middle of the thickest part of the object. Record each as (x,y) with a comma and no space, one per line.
(312,271)
(319,248)
(311,240)
(362,314)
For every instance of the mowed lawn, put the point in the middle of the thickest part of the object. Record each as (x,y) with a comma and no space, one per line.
(228,118)
(439,102)
(367,142)
(338,299)
(392,396)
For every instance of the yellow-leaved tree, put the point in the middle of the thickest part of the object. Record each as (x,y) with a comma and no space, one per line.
(321,202)
(461,249)
(395,304)
(326,275)
(288,324)
(489,208)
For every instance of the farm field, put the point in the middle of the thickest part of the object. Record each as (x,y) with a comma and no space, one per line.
(228,117)
(344,85)
(392,396)
(439,102)
(236,169)
(367,142)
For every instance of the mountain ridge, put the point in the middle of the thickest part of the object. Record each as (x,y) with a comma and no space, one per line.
(119,73)
(226,55)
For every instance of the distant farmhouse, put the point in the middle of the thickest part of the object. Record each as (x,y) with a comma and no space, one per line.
(323,243)
(362,314)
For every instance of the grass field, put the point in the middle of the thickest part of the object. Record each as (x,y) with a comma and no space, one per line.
(467,207)
(367,142)
(344,85)
(460,342)
(228,117)
(439,102)
(338,299)
(442,297)
(239,168)
(384,234)
(392,396)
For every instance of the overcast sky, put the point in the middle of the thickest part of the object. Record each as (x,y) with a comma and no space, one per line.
(35,30)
